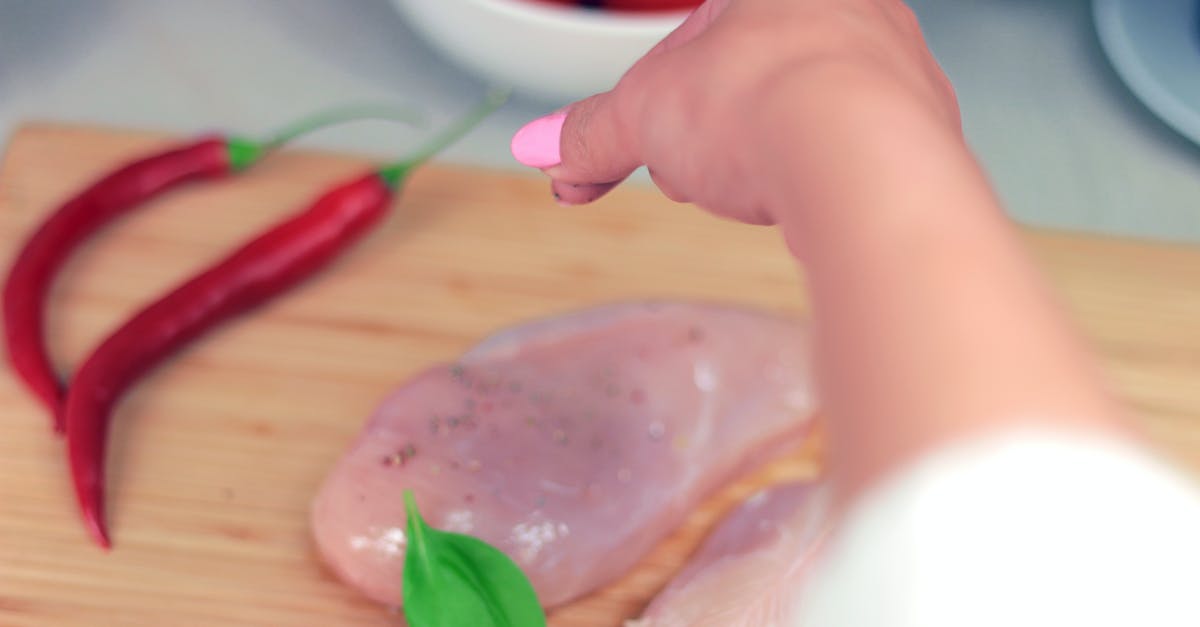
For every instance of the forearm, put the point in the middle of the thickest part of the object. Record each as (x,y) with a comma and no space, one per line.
(931,321)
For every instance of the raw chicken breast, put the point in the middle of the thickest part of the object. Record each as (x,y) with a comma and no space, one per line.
(748,572)
(573,444)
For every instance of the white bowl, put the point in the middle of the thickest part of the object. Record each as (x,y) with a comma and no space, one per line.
(557,53)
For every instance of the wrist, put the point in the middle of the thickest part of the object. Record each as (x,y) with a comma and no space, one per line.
(861,151)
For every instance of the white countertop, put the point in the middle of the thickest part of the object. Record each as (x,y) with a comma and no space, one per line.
(1065,142)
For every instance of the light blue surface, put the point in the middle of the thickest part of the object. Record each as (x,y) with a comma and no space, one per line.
(1064,140)
(1155,47)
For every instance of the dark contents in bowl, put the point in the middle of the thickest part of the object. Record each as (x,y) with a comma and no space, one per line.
(634,6)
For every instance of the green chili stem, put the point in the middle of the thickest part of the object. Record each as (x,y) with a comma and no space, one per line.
(244,152)
(341,115)
(394,172)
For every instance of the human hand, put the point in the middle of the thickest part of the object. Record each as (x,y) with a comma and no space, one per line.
(705,108)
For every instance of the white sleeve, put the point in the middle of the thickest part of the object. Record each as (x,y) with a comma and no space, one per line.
(1026,529)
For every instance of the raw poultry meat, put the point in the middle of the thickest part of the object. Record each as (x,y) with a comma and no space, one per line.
(574,444)
(748,572)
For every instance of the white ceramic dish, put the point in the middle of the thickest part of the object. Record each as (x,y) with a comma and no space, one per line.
(555,53)
(1154,45)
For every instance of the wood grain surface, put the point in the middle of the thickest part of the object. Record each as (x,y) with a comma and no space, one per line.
(216,456)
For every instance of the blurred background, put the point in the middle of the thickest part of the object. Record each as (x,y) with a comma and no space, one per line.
(1065,140)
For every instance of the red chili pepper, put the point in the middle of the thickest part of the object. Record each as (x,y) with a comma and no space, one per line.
(39,261)
(265,267)
(120,192)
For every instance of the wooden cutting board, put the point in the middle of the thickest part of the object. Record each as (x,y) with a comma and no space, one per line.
(215,456)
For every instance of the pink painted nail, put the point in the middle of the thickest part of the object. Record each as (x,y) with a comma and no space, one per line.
(536,144)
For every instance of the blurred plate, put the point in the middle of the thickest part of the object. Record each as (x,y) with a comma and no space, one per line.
(1154,45)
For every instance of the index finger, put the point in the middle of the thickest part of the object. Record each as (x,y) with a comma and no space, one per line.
(598,141)
(595,140)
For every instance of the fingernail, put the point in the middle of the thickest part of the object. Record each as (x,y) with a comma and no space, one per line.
(536,144)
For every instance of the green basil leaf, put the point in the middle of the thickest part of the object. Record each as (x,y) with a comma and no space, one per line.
(453,580)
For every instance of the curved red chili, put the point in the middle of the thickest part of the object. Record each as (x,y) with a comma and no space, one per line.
(120,192)
(33,272)
(268,265)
